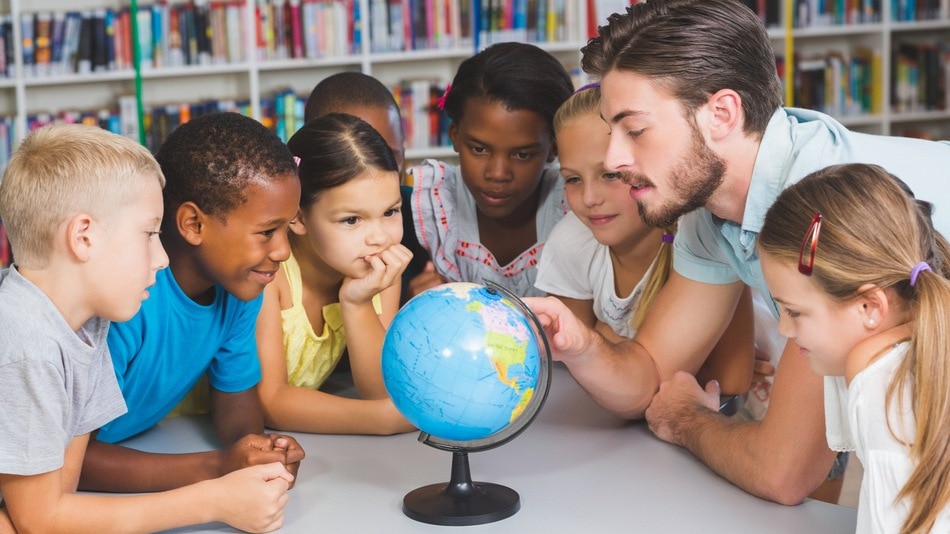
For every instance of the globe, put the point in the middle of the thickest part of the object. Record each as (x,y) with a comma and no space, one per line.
(469,365)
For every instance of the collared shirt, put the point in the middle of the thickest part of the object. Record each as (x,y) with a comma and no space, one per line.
(796,143)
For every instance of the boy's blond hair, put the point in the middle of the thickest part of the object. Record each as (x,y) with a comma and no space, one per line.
(61,170)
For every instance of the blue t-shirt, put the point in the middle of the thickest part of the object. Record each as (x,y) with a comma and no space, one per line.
(171,342)
(796,143)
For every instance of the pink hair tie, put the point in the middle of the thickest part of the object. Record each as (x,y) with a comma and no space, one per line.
(445,94)
(297,161)
(915,272)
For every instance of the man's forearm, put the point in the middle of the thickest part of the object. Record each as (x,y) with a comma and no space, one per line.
(113,468)
(745,454)
(620,377)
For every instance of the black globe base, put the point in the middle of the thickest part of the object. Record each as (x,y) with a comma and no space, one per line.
(461,502)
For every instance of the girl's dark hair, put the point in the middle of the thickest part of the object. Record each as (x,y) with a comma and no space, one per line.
(334,149)
(212,159)
(518,75)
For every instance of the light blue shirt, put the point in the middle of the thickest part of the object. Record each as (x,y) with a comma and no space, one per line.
(173,341)
(796,143)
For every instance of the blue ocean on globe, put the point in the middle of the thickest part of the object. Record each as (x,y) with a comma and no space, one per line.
(460,361)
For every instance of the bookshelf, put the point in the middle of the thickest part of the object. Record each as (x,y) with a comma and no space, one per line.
(882,68)
(256,70)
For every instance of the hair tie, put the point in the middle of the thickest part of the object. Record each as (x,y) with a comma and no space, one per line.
(915,272)
(588,86)
(445,94)
(297,161)
(667,237)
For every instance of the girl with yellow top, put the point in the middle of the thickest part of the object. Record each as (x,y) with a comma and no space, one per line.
(343,277)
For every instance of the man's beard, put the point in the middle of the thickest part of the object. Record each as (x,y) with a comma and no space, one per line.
(693,181)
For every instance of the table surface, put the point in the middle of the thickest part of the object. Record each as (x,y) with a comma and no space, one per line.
(576,468)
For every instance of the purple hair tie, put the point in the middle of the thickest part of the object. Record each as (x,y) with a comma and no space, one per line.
(588,86)
(667,238)
(915,272)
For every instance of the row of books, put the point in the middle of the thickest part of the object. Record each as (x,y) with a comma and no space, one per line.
(915,10)
(399,25)
(839,83)
(294,29)
(180,34)
(920,77)
(206,33)
(818,13)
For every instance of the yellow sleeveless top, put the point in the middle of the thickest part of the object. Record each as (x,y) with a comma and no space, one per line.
(311,358)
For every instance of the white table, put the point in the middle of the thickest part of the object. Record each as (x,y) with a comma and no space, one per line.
(577,469)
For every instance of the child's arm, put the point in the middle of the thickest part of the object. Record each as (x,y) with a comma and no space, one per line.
(289,407)
(112,467)
(251,499)
(365,330)
(732,359)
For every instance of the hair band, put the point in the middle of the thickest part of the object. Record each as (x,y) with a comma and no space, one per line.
(667,237)
(915,272)
(588,86)
(445,94)
(297,161)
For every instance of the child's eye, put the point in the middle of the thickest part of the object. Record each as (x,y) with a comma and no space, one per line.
(152,233)
(568,180)
(478,149)
(269,233)
(791,314)
(392,212)
(635,133)
(350,221)
(522,155)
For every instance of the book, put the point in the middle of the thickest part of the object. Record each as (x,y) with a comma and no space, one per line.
(28,44)
(146,50)
(43,28)
(84,50)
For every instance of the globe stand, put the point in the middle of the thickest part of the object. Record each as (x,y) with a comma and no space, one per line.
(461,502)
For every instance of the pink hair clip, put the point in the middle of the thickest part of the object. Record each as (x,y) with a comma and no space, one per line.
(441,103)
(297,160)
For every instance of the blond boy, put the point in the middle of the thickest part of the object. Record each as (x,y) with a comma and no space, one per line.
(82,208)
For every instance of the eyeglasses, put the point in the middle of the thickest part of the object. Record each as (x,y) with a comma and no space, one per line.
(810,242)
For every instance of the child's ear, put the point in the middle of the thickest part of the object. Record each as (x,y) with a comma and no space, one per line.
(296,224)
(875,306)
(79,236)
(189,219)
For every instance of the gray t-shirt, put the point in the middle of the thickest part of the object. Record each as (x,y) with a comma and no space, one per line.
(55,384)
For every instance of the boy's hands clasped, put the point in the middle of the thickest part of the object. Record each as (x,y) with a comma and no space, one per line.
(258,449)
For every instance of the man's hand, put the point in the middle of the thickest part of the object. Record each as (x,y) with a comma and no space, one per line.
(257,449)
(676,396)
(570,338)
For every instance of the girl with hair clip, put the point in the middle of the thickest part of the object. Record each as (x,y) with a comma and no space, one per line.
(865,299)
(601,259)
(488,218)
(340,288)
